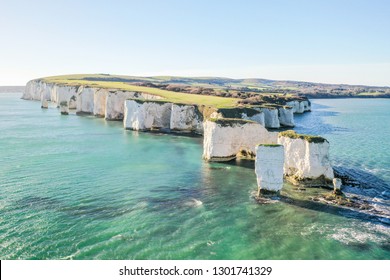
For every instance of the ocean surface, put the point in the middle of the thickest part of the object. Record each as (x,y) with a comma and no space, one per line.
(75,187)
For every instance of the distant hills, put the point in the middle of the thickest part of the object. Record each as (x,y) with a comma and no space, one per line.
(252,86)
(308,89)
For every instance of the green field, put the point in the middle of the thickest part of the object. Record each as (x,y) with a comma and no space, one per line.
(171,96)
(223,92)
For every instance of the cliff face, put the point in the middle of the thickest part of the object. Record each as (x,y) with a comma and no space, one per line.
(99,103)
(153,115)
(86,100)
(271,117)
(259,117)
(186,118)
(299,106)
(225,138)
(65,93)
(269,167)
(33,91)
(286,116)
(306,161)
(306,106)
(38,90)
(252,114)
(147,115)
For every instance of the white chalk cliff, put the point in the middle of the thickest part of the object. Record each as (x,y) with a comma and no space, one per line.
(154,114)
(271,117)
(85,100)
(145,115)
(101,102)
(286,116)
(299,106)
(227,132)
(269,167)
(223,139)
(259,117)
(186,118)
(306,160)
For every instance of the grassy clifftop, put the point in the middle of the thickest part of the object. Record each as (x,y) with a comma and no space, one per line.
(124,83)
(226,86)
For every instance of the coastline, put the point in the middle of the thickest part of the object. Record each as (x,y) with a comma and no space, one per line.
(210,153)
(142,179)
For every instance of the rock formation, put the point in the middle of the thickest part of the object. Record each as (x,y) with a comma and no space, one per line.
(306,158)
(225,138)
(44,104)
(99,103)
(269,167)
(186,118)
(64,108)
(286,116)
(337,183)
(299,106)
(252,114)
(85,100)
(147,115)
(271,117)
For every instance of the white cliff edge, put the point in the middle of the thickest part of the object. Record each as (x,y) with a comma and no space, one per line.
(225,138)
(306,159)
(186,118)
(144,115)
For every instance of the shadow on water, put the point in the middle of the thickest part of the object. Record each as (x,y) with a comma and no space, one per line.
(241,162)
(333,210)
(38,203)
(225,165)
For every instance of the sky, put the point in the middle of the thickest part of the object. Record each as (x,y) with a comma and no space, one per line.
(320,41)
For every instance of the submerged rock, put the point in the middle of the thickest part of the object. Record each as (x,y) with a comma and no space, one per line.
(342,200)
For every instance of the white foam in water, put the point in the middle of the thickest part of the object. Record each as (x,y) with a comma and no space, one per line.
(357,232)
(193,203)
(362,233)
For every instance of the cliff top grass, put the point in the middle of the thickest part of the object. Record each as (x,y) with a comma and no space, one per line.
(142,101)
(230,121)
(169,96)
(235,113)
(287,90)
(309,138)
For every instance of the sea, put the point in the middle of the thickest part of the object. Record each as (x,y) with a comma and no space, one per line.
(80,187)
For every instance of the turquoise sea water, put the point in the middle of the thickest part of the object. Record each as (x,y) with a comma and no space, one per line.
(82,188)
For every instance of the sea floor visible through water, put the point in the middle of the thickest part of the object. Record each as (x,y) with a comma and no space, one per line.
(79,187)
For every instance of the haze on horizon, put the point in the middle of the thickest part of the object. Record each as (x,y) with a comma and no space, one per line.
(316,41)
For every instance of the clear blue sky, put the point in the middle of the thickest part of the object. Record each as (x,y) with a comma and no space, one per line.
(322,41)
